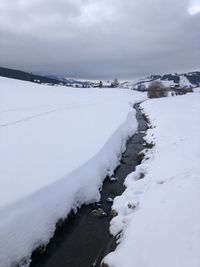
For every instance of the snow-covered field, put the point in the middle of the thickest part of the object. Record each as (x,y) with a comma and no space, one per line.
(196,90)
(160,214)
(57,144)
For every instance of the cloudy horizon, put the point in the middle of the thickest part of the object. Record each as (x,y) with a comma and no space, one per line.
(100,39)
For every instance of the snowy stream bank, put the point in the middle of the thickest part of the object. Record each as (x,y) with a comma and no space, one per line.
(84,239)
(158,216)
(57,145)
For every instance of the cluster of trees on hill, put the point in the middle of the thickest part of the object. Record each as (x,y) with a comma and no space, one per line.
(114,84)
(26,76)
(157,89)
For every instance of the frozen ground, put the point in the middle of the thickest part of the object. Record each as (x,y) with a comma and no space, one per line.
(57,144)
(159,214)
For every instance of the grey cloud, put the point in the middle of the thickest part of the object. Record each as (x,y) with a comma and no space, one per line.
(99,38)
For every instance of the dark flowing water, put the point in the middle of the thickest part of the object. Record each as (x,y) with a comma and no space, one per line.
(84,239)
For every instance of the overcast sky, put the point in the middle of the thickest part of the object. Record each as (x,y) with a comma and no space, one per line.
(100,38)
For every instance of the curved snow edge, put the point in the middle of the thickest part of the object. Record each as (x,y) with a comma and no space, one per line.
(19,235)
(128,203)
(162,227)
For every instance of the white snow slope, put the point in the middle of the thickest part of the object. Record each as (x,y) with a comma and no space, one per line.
(57,144)
(160,214)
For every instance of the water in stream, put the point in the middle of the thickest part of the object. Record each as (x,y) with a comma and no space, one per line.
(84,240)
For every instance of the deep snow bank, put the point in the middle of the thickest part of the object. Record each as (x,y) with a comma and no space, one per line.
(57,144)
(159,215)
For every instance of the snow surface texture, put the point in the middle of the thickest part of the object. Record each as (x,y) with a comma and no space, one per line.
(159,214)
(57,145)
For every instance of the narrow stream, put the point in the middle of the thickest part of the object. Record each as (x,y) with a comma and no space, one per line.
(84,239)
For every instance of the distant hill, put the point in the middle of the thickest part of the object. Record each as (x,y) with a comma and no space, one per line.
(26,76)
(50,79)
(190,79)
(74,82)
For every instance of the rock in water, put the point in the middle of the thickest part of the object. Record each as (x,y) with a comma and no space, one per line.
(109,200)
(113,213)
(99,213)
(113,179)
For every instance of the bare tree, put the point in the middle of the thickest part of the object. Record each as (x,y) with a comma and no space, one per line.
(100,84)
(115,83)
(157,89)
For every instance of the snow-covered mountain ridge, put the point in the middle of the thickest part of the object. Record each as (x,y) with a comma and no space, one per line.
(190,79)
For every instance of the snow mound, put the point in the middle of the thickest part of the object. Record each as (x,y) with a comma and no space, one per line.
(159,214)
(57,145)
